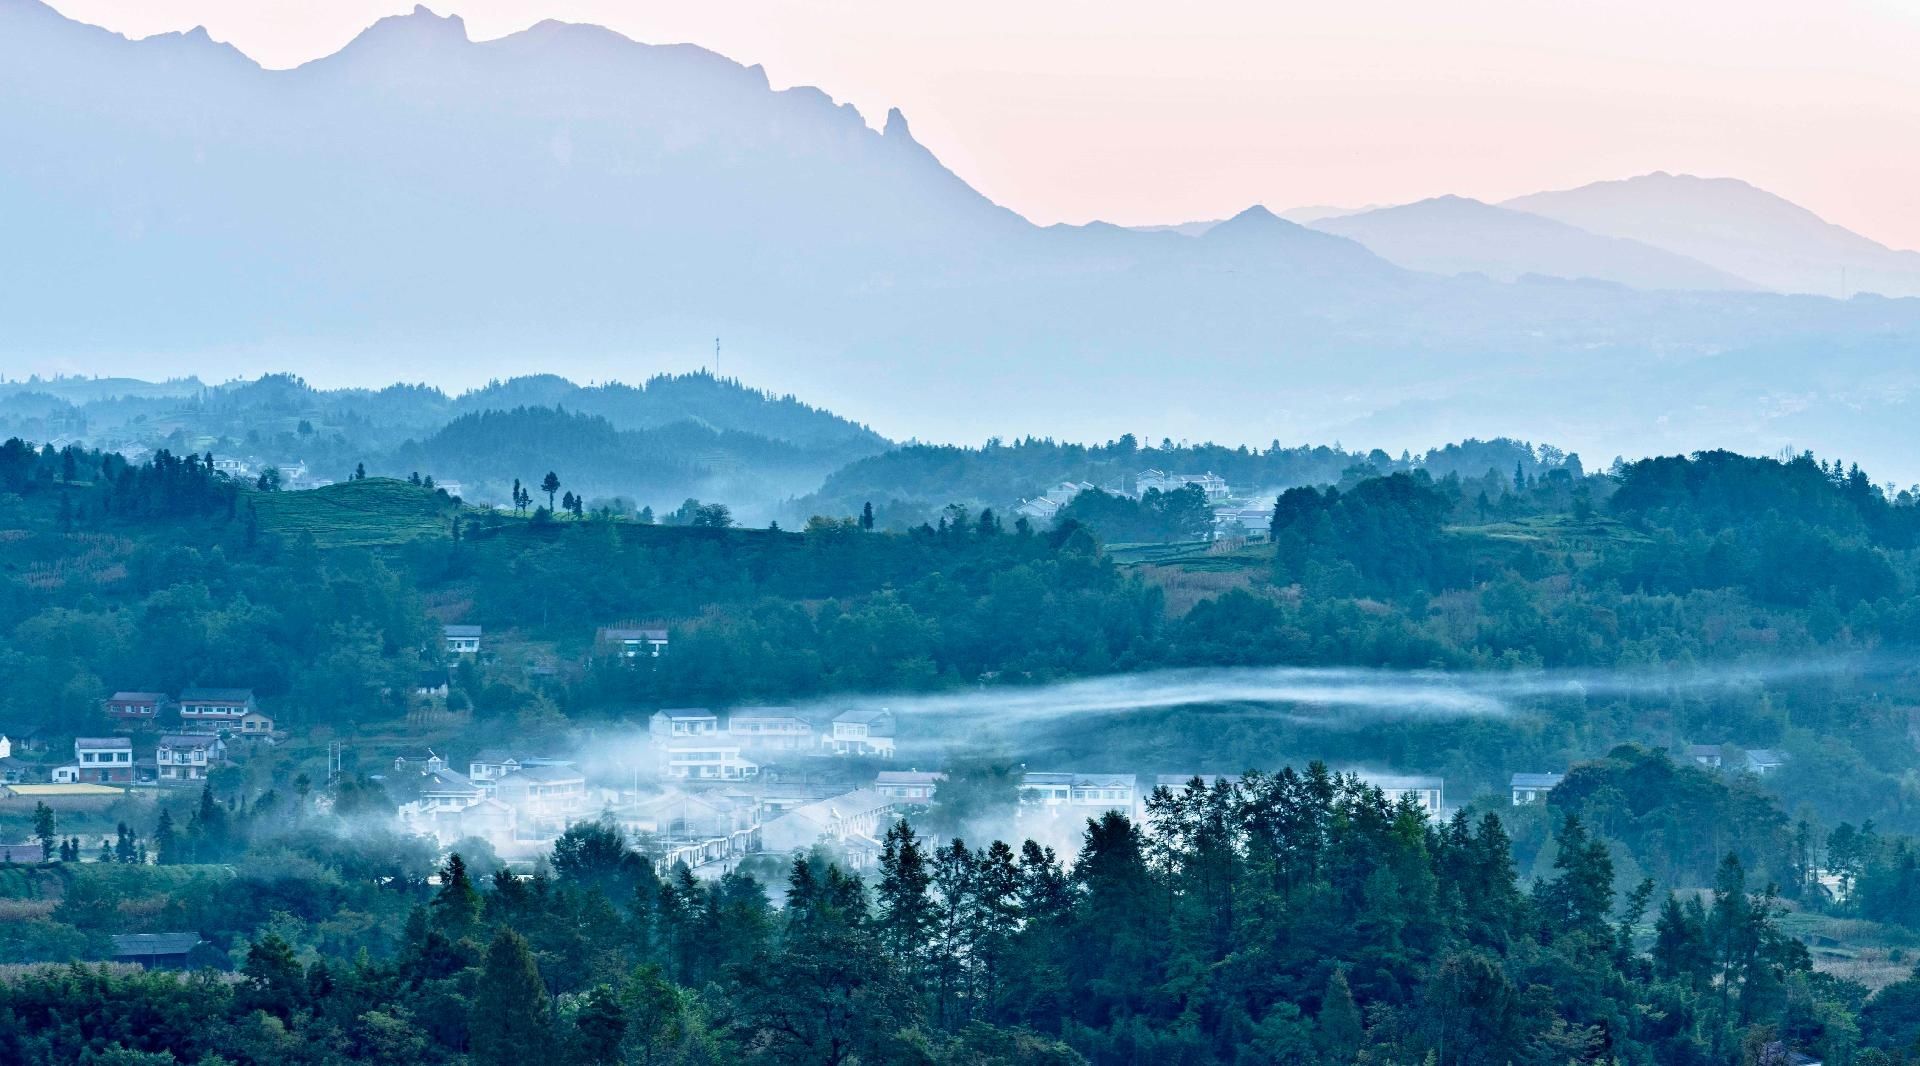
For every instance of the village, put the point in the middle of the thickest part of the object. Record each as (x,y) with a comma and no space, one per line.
(700,788)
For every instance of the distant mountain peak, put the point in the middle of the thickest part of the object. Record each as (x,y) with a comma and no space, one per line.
(418,27)
(896,125)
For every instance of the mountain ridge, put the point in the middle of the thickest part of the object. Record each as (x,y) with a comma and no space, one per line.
(455,209)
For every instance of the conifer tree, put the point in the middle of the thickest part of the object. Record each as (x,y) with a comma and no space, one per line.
(509,1023)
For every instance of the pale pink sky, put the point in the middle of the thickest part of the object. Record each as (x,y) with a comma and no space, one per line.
(1139,111)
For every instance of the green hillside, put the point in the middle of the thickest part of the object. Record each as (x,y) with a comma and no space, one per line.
(357,513)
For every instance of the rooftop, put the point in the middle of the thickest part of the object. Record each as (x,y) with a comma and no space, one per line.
(138,945)
(1536,780)
(908,777)
(547,773)
(1394,783)
(102,742)
(183,740)
(63,790)
(137,697)
(216,695)
(634,633)
(461,631)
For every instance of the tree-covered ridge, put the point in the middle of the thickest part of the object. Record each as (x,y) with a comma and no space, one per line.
(681,435)
(916,480)
(663,463)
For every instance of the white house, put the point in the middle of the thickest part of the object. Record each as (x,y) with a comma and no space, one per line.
(462,640)
(683,722)
(911,786)
(709,757)
(855,821)
(1211,484)
(1764,761)
(1429,793)
(544,798)
(861,732)
(1253,523)
(1532,788)
(770,728)
(675,827)
(1101,792)
(1044,508)
(635,641)
(1707,755)
(492,764)
(103,760)
(188,756)
(1040,510)
(214,710)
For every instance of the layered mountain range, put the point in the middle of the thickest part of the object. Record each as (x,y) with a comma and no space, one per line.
(425,206)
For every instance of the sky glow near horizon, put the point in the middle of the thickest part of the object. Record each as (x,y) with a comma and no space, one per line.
(1136,112)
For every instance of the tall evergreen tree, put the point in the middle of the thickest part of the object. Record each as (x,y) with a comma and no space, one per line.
(509,1024)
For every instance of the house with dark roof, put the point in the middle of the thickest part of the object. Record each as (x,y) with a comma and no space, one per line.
(634,640)
(215,710)
(1532,788)
(155,951)
(462,640)
(137,709)
(187,756)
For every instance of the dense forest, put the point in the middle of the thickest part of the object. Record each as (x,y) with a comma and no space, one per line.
(1646,913)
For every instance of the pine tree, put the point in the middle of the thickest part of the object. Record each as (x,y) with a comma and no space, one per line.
(456,906)
(905,914)
(550,485)
(165,842)
(43,829)
(509,1024)
(1340,1029)
(599,1028)
(866,516)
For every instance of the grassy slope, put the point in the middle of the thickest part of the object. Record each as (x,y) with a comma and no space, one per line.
(357,513)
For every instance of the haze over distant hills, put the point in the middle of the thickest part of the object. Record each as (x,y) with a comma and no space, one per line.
(1455,235)
(1737,228)
(423,206)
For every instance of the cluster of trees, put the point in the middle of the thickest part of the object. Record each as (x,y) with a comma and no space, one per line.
(1296,918)
(913,482)
(1182,514)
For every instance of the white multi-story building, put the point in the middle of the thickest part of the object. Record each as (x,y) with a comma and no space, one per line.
(770,728)
(861,732)
(1429,793)
(187,757)
(712,757)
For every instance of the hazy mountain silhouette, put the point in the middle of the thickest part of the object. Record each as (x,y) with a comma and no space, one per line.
(1455,235)
(422,206)
(1735,227)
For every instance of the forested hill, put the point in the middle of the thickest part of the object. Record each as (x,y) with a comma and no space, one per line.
(663,464)
(913,482)
(699,435)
